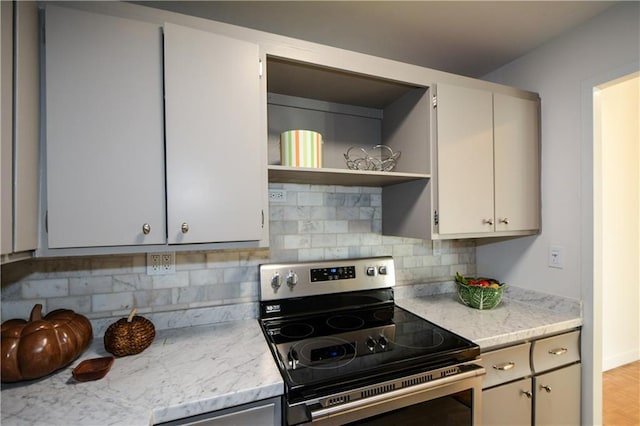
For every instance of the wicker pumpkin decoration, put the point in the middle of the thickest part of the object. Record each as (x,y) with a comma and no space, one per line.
(129,336)
(35,348)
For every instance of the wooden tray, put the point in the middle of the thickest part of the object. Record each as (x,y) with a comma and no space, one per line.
(92,369)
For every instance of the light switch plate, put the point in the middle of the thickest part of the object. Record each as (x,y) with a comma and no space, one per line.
(556,257)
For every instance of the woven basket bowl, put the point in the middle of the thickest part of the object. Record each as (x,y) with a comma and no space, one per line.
(479,297)
(126,337)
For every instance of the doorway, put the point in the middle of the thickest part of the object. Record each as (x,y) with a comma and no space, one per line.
(617,219)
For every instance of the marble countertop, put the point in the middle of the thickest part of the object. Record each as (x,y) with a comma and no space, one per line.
(522,315)
(203,368)
(186,371)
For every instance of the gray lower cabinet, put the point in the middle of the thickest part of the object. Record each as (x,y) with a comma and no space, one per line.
(556,383)
(508,405)
(557,397)
(534,383)
(260,413)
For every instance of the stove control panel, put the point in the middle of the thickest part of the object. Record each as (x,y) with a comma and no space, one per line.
(325,277)
(333,273)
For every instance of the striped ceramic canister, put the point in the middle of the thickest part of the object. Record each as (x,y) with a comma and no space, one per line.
(301,148)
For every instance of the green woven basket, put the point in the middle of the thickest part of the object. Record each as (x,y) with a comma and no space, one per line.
(479,297)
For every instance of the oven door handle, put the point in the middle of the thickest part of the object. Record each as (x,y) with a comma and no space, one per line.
(319,414)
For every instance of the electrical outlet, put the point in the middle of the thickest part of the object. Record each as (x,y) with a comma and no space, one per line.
(161,263)
(278,195)
(556,257)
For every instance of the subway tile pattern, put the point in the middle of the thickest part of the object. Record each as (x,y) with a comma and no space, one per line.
(316,222)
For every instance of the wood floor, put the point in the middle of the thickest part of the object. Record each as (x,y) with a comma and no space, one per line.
(621,395)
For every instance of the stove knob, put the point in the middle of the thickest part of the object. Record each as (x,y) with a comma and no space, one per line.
(382,270)
(383,342)
(371,344)
(293,359)
(371,271)
(276,281)
(292,279)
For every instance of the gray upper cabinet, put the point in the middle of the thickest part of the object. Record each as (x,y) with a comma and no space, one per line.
(104,130)
(6,118)
(464,160)
(215,166)
(516,164)
(153,136)
(487,178)
(19,129)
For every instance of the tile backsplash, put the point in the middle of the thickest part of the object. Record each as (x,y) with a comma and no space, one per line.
(315,222)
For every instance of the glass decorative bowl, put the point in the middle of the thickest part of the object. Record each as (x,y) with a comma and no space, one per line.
(378,158)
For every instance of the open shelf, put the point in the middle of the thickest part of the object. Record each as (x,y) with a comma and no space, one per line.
(329,176)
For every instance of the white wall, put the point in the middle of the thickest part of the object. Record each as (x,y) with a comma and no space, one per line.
(617,109)
(564,73)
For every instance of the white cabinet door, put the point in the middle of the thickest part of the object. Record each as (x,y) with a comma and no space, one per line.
(508,405)
(464,160)
(215,184)
(557,397)
(104,130)
(517,163)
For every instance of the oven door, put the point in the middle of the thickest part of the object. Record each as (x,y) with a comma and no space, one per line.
(454,400)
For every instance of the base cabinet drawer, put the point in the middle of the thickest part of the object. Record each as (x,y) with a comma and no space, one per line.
(260,413)
(556,351)
(505,365)
(508,405)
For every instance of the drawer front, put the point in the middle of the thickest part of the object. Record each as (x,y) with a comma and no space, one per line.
(504,365)
(555,351)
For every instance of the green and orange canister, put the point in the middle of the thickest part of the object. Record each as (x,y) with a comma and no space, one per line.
(301,148)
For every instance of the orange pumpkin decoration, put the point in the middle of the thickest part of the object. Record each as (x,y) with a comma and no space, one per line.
(32,349)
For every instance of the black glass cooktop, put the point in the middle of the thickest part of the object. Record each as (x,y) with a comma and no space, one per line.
(350,347)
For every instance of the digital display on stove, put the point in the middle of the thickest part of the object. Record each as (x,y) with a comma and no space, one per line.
(334,273)
(331,352)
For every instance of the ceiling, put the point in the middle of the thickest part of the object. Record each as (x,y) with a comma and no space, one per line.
(469,38)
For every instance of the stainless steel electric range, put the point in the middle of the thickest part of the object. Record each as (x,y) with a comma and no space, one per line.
(349,355)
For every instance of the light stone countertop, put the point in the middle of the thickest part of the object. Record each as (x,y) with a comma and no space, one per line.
(203,368)
(185,371)
(521,315)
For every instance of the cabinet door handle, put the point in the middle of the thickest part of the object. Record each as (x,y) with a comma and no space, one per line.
(526,393)
(487,221)
(146,228)
(505,220)
(558,351)
(504,366)
(545,387)
(184,228)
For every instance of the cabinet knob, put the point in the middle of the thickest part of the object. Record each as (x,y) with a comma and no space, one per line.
(526,393)
(184,227)
(505,220)
(146,228)
(545,387)
(488,221)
